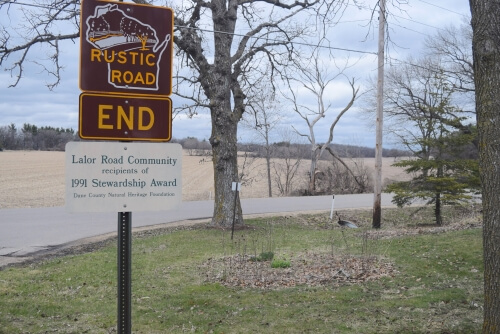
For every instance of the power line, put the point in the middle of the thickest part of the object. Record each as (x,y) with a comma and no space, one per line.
(223,32)
(9,2)
(428,68)
(278,41)
(14,2)
(421,23)
(443,8)
(409,29)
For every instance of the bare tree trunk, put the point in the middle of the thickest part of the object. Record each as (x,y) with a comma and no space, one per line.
(438,204)
(218,85)
(268,166)
(486,51)
(225,155)
(437,210)
(312,172)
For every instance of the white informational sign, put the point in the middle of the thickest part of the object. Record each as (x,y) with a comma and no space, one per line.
(123,177)
(236,186)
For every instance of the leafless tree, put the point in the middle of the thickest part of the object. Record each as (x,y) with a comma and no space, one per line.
(287,162)
(31,137)
(422,110)
(339,177)
(246,168)
(8,137)
(191,145)
(453,46)
(414,91)
(45,23)
(263,119)
(316,78)
(239,62)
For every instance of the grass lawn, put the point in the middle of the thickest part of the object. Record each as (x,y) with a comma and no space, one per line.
(409,277)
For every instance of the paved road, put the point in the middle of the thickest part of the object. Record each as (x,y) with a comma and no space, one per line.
(26,231)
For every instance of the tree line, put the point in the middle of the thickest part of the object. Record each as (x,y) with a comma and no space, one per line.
(49,138)
(33,137)
(195,146)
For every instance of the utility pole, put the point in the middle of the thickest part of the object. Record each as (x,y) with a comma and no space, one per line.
(377,191)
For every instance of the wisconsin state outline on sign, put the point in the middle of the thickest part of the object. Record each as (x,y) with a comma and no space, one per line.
(128,48)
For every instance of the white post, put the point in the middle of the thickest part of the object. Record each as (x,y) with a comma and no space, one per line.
(331,211)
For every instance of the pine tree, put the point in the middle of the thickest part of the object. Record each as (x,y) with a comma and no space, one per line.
(442,171)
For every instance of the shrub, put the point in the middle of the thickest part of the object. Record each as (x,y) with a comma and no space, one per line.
(280,263)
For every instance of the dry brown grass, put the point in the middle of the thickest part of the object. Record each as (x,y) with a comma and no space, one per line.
(31,179)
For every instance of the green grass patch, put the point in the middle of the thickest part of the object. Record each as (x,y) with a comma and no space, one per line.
(280,263)
(437,286)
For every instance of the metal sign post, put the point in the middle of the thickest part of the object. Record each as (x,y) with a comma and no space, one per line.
(236,186)
(124,273)
(126,56)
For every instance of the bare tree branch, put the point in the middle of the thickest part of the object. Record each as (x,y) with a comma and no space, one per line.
(315,77)
(360,183)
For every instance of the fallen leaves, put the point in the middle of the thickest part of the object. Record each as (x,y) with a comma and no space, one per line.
(309,269)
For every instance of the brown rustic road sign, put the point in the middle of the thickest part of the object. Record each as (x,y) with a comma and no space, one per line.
(119,117)
(126,48)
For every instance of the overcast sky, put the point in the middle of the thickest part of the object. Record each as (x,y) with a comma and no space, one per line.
(31,101)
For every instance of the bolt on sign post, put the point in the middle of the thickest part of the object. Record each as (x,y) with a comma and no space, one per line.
(126,55)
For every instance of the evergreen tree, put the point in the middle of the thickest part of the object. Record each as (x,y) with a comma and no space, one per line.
(448,176)
(435,132)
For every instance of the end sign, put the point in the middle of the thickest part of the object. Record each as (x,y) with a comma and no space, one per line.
(118,117)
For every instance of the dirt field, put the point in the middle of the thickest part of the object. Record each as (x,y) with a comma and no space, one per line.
(37,178)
